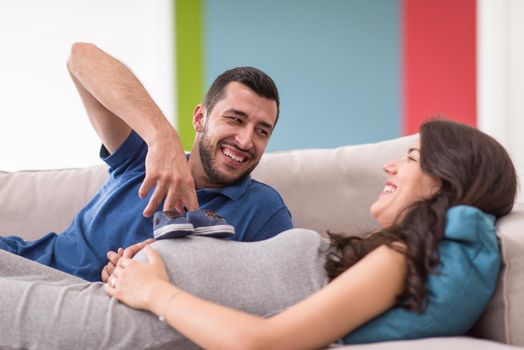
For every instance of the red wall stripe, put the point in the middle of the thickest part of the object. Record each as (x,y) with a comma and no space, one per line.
(439,61)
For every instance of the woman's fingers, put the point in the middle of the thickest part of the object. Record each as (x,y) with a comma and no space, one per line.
(124,263)
(153,256)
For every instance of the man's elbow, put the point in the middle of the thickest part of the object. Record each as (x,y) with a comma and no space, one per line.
(79,50)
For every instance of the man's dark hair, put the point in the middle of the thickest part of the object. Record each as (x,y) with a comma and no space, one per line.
(256,80)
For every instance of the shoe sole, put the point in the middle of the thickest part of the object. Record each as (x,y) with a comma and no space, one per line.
(216,231)
(173,231)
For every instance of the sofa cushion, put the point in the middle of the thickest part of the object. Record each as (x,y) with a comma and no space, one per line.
(459,289)
(437,343)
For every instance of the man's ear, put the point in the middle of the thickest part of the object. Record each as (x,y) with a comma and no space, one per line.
(199,117)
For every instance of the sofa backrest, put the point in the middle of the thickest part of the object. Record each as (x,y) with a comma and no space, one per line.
(34,203)
(332,189)
(325,189)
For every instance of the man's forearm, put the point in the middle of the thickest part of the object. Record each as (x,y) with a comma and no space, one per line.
(115,88)
(117,102)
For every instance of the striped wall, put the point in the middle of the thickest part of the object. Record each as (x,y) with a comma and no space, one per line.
(439,61)
(348,71)
(189,64)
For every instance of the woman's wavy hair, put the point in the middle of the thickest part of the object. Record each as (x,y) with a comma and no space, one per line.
(474,170)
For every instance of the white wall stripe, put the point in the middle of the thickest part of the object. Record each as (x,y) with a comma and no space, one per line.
(43,123)
(500,75)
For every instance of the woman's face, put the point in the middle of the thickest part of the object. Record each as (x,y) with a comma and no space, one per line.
(405,184)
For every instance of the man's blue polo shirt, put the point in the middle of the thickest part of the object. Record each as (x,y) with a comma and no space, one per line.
(113,218)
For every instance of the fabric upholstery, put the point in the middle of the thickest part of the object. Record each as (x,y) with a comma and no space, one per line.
(37,202)
(325,189)
(503,319)
(332,189)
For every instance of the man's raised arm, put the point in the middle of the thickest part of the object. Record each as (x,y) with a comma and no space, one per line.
(117,102)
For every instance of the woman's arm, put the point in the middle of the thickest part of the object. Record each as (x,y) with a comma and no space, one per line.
(362,292)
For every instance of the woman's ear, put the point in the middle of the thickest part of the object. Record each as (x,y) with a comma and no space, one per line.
(436,187)
(199,117)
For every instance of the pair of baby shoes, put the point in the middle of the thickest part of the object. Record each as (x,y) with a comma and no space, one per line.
(203,222)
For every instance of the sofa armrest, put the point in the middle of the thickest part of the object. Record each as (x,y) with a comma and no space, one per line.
(503,319)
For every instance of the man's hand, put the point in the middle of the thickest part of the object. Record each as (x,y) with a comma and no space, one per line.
(114,257)
(116,103)
(167,170)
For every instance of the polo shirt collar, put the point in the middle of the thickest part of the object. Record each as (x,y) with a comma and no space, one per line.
(237,189)
(233,191)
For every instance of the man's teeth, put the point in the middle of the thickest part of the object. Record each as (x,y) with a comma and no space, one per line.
(389,189)
(235,157)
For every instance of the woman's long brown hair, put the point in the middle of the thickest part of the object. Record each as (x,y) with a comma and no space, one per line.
(474,170)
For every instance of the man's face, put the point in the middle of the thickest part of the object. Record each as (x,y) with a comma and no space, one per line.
(232,138)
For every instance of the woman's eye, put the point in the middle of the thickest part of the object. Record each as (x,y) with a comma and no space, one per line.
(411,159)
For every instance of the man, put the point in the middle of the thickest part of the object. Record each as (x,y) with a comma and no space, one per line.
(146,160)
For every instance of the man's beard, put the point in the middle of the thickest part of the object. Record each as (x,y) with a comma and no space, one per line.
(207,158)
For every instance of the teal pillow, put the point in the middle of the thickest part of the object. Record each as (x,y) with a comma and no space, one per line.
(457,294)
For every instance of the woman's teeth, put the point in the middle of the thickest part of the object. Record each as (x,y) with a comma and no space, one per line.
(389,189)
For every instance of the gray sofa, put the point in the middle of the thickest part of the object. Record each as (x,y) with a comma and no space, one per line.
(325,189)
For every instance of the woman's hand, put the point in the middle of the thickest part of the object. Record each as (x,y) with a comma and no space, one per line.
(134,282)
(114,257)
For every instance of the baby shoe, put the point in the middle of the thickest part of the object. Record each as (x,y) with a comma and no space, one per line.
(171,224)
(208,223)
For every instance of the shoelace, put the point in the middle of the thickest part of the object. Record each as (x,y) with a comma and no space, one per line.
(172,214)
(212,215)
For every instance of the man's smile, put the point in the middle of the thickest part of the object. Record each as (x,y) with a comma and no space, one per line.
(234,157)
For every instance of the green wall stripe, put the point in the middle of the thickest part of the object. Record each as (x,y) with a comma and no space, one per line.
(189,64)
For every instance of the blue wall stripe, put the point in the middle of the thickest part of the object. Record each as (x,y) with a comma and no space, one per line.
(336,63)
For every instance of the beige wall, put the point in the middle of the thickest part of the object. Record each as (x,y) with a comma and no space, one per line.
(43,124)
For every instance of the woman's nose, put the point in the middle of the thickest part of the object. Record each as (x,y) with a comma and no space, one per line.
(390,167)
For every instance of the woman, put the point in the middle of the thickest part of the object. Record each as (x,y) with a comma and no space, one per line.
(282,280)
(453,164)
